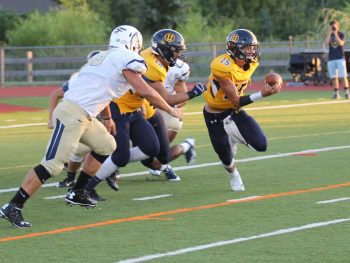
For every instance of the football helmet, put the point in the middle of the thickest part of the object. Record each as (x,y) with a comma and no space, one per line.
(168,44)
(242,44)
(126,37)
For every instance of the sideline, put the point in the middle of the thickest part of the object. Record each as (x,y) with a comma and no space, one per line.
(234,241)
(181,168)
(171,212)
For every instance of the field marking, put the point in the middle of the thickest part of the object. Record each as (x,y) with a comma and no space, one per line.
(244,198)
(23,125)
(199,112)
(171,212)
(54,197)
(180,168)
(334,200)
(151,197)
(281,106)
(234,241)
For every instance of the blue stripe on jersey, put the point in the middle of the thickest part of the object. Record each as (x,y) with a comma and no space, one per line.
(139,61)
(65,86)
(147,79)
(55,141)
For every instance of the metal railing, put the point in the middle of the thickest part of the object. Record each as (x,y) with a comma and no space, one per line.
(54,64)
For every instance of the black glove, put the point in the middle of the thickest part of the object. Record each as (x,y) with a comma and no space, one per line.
(197,90)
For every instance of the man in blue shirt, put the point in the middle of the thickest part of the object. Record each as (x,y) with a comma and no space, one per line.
(336,58)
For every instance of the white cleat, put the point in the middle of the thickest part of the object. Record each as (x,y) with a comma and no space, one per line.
(236,182)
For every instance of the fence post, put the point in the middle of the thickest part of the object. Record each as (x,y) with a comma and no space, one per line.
(214,51)
(2,66)
(30,66)
(290,43)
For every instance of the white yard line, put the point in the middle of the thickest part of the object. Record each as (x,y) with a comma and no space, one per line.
(55,197)
(23,125)
(334,200)
(151,197)
(257,158)
(199,112)
(233,241)
(282,106)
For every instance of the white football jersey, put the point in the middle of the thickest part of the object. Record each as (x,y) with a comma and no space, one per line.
(180,71)
(101,80)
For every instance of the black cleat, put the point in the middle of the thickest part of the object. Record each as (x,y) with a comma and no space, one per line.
(14,215)
(80,197)
(67,182)
(95,196)
(191,154)
(171,175)
(113,181)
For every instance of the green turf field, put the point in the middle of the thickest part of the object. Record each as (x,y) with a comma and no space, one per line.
(297,206)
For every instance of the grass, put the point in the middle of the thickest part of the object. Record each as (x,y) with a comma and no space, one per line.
(202,192)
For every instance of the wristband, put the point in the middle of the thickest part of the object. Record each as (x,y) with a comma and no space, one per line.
(191,94)
(245,100)
(256,96)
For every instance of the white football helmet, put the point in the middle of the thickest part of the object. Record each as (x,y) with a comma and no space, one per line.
(126,37)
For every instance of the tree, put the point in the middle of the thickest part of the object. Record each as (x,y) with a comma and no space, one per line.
(72,25)
(8,21)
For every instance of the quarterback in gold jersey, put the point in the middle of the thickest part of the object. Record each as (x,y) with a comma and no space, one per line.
(228,124)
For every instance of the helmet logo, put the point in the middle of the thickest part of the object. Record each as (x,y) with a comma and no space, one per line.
(234,38)
(169,37)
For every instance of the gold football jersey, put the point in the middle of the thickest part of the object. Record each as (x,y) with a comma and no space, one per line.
(224,67)
(129,102)
(155,72)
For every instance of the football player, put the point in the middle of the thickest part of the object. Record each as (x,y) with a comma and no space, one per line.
(228,124)
(167,46)
(106,76)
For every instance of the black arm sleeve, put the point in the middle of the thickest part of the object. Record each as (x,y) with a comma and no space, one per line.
(245,100)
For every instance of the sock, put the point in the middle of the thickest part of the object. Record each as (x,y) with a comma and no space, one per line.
(20,198)
(93,183)
(137,155)
(71,175)
(346,89)
(82,181)
(336,91)
(185,146)
(107,168)
(164,167)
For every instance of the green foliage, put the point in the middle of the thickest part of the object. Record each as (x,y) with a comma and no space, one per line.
(198,29)
(64,27)
(7,22)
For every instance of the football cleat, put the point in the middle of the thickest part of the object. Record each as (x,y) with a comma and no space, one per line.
(94,195)
(80,197)
(113,181)
(67,182)
(236,182)
(171,175)
(191,154)
(13,214)
(347,96)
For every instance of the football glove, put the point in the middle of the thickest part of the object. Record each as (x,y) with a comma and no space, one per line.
(197,90)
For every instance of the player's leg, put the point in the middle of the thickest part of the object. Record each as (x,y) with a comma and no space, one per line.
(220,141)
(333,76)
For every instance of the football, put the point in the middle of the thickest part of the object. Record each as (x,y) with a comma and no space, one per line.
(273,78)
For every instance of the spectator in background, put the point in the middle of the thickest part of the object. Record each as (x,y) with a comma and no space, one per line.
(336,58)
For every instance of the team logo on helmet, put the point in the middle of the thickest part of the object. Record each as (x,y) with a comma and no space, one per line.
(234,38)
(169,37)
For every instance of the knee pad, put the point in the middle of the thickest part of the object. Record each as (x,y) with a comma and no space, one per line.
(42,173)
(99,157)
